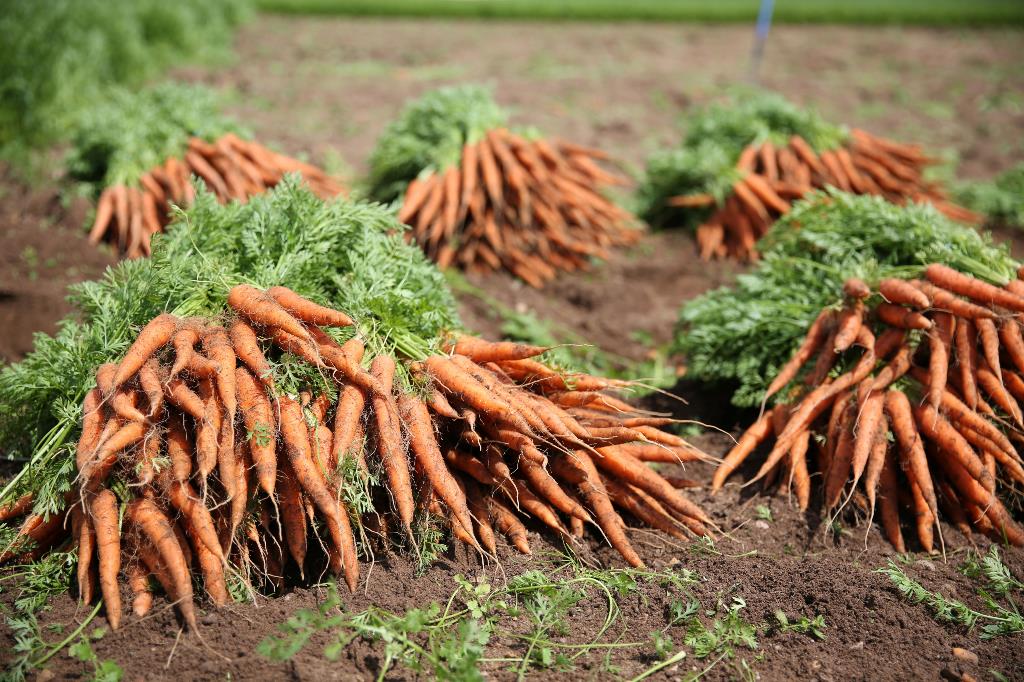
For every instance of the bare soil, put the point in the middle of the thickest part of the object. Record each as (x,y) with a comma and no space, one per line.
(326,87)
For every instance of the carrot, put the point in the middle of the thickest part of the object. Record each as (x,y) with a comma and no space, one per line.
(157,529)
(296,440)
(149,381)
(478,509)
(258,417)
(989,344)
(799,475)
(307,311)
(453,379)
(992,385)
(197,517)
(940,344)
(208,430)
(104,213)
(83,534)
(856,288)
(945,300)
(764,192)
(842,457)
(888,502)
(103,515)
(848,326)
(261,308)
(904,318)
(293,519)
(1010,335)
(815,335)
(212,570)
(756,434)
(102,461)
(806,154)
(153,336)
(180,395)
(183,341)
(973,288)
(138,581)
(626,498)
(900,292)
(620,464)
(965,354)
(423,443)
(869,424)
(506,522)
(911,448)
(481,351)
(543,484)
(16,508)
(440,405)
(935,427)
(351,403)
(247,348)
(597,498)
(92,425)
(389,438)
(217,345)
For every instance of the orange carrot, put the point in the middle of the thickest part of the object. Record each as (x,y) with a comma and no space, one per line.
(989,344)
(596,495)
(904,318)
(103,514)
(307,311)
(154,335)
(260,308)
(848,326)
(939,343)
(965,354)
(888,501)
(973,288)
(506,522)
(900,292)
(157,529)
(481,351)
(815,335)
(258,417)
(751,438)
(935,427)
(247,348)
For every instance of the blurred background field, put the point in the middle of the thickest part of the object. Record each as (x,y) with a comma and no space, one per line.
(935,13)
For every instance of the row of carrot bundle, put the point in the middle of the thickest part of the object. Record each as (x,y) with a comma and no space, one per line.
(482,198)
(774,176)
(529,207)
(925,416)
(233,168)
(223,476)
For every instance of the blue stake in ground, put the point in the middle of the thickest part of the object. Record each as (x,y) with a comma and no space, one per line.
(764,23)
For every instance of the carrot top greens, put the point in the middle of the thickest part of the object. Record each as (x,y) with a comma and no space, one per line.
(745,333)
(429,135)
(129,132)
(348,255)
(705,160)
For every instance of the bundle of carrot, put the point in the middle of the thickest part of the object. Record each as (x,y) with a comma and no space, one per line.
(193,461)
(924,415)
(772,176)
(525,206)
(482,198)
(233,168)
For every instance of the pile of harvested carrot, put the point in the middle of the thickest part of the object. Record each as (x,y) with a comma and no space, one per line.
(526,206)
(925,418)
(218,471)
(231,167)
(774,176)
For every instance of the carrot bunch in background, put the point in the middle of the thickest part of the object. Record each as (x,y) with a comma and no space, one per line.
(741,167)
(482,198)
(233,168)
(908,397)
(218,469)
(137,151)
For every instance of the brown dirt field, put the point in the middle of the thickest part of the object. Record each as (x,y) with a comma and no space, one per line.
(322,87)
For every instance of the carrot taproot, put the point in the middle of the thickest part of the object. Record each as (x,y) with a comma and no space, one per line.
(197,517)
(935,427)
(600,503)
(478,510)
(456,381)
(246,347)
(756,434)
(296,440)
(972,287)
(964,340)
(104,520)
(848,325)
(621,464)
(817,332)
(292,516)
(842,457)
(545,485)
(470,465)
(888,502)
(869,423)
(183,341)
(258,417)
(480,351)
(98,466)
(506,522)
(992,385)
(307,311)
(989,337)
(901,292)
(625,497)
(261,308)
(157,529)
(152,337)
(800,479)
(423,443)
(940,343)
(389,440)
(83,535)
(911,451)
(904,318)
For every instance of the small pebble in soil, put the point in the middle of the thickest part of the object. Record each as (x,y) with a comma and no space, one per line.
(965,655)
(925,563)
(859,645)
(761,525)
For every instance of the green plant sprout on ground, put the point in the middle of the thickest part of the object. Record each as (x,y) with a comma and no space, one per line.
(804,625)
(1000,199)
(998,620)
